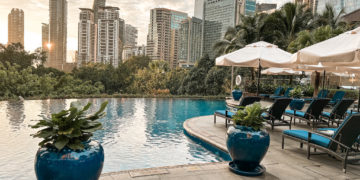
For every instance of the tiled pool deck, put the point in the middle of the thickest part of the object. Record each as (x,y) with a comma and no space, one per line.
(290,163)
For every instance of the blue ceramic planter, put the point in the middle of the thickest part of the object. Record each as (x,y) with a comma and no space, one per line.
(237,94)
(68,164)
(247,148)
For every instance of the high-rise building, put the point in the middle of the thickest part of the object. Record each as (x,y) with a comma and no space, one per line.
(87,36)
(122,32)
(348,5)
(130,51)
(190,39)
(219,15)
(162,39)
(108,39)
(58,34)
(131,35)
(45,36)
(97,4)
(265,7)
(247,7)
(16,26)
(199,9)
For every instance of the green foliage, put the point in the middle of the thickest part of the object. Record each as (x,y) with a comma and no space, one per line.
(296,93)
(69,128)
(250,117)
(307,38)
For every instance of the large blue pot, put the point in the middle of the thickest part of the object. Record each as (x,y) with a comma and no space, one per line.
(68,164)
(246,146)
(237,94)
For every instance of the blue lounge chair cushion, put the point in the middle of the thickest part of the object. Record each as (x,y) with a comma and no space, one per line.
(264,95)
(302,134)
(276,97)
(351,112)
(265,115)
(298,113)
(327,129)
(223,112)
(326,114)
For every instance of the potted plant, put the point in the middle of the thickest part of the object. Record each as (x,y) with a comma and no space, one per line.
(246,142)
(236,93)
(297,103)
(66,151)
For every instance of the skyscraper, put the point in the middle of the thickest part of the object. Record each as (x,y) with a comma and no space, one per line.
(109,41)
(219,15)
(122,37)
(16,26)
(45,41)
(190,40)
(199,9)
(162,40)
(348,5)
(131,35)
(247,7)
(58,34)
(86,37)
(97,4)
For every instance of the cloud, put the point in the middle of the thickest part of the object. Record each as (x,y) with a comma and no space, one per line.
(134,12)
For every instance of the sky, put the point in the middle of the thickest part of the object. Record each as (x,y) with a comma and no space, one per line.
(134,12)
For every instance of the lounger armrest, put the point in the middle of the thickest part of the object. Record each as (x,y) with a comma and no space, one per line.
(311,116)
(271,116)
(331,139)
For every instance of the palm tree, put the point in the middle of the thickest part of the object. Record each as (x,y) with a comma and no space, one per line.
(329,17)
(248,31)
(282,26)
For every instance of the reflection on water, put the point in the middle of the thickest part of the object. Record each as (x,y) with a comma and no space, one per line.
(137,133)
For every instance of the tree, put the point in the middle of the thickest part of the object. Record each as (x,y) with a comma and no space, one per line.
(330,18)
(283,25)
(307,38)
(249,30)
(15,53)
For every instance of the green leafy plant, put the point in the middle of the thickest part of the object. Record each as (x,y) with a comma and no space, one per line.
(296,93)
(69,128)
(250,117)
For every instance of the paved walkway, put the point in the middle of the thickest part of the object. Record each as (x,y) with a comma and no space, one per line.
(290,163)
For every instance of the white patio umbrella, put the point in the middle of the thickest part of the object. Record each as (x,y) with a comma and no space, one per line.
(281,71)
(342,50)
(260,54)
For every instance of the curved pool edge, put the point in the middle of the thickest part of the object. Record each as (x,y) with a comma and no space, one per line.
(208,143)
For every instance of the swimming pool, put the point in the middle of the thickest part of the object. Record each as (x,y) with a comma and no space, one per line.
(138,133)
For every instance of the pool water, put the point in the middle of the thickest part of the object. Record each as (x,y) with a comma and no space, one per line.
(138,133)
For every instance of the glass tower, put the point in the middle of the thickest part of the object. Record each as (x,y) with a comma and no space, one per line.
(348,5)
(219,15)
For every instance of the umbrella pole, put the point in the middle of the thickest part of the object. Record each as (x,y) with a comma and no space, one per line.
(359,101)
(324,80)
(232,78)
(258,83)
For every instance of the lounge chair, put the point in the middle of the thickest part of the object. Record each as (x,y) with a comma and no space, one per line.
(275,113)
(245,101)
(297,104)
(340,145)
(338,112)
(312,114)
(277,92)
(286,94)
(322,94)
(339,95)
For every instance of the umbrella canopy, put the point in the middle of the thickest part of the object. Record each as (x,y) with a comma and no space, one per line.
(255,55)
(280,71)
(342,50)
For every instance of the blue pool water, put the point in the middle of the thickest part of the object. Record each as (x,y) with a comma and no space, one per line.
(138,133)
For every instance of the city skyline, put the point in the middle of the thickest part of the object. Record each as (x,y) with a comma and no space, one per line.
(37,12)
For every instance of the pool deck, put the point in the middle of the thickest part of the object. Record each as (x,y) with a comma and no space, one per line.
(290,163)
